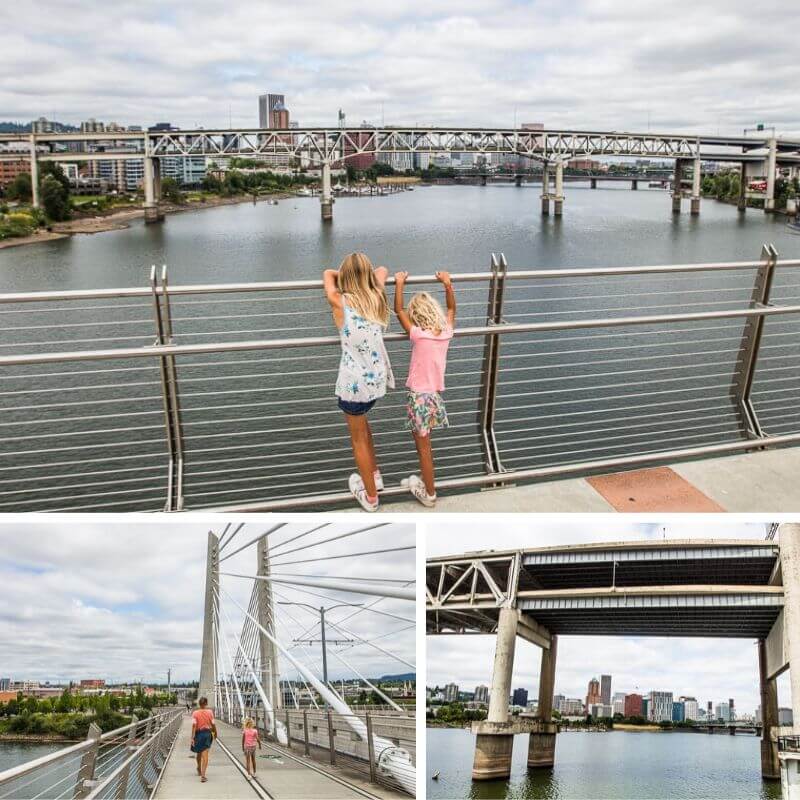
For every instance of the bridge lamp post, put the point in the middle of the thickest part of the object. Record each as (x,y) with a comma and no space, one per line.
(322,640)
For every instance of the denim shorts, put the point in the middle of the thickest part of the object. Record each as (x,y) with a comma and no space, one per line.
(355,409)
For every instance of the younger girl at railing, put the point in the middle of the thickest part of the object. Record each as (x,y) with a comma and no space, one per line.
(361,312)
(250,739)
(430,331)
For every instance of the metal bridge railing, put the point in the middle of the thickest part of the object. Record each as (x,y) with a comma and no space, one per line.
(221,396)
(126,762)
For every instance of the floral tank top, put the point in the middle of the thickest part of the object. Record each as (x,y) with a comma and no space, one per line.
(364,369)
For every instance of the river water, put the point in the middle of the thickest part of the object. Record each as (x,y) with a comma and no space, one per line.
(608,766)
(263,425)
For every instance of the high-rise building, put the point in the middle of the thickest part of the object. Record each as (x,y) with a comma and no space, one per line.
(618,702)
(633,706)
(451,693)
(266,107)
(5,684)
(600,710)
(520,697)
(593,695)
(481,694)
(558,702)
(92,126)
(659,706)
(572,707)
(605,689)
(690,708)
(645,707)
(678,711)
(722,711)
(732,714)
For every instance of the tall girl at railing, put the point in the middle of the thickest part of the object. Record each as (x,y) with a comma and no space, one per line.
(430,331)
(361,312)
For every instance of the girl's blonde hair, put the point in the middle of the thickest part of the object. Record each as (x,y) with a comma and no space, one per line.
(248,723)
(360,289)
(426,313)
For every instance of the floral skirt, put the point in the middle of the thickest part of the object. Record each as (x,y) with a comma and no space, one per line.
(425,410)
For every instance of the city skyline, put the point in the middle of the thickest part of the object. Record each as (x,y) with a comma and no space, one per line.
(685,666)
(659,67)
(76,604)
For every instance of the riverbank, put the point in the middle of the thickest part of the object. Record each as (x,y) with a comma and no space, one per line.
(36,238)
(34,738)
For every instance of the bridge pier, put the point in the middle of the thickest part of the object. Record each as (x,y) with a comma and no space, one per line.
(593,183)
(634,185)
(769,201)
(741,203)
(677,188)
(326,194)
(494,741)
(558,204)
(545,189)
(152,190)
(542,744)
(518,180)
(208,659)
(34,174)
(270,678)
(695,207)
(790,573)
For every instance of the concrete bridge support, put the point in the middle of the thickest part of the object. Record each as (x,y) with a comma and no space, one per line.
(696,171)
(34,174)
(542,744)
(790,570)
(741,203)
(771,166)
(326,194)
(518,180)
(208,659)
(770,765)
(677,188)
(593,183)
(494,741)
(545,189)
(634,185)
(152,190)
(270,678)
(558,204)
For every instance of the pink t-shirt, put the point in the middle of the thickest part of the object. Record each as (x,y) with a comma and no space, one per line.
(250,737)
(428,359)
(203,718)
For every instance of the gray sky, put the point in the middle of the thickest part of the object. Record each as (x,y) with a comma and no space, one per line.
(708,669)
(719,65)
(121,597)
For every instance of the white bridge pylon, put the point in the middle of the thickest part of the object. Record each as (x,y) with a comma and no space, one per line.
(257,670)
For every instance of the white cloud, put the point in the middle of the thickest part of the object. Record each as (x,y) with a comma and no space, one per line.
(593,63)
(121,597)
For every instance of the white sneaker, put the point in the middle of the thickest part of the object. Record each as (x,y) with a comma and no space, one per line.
(360,493)
(417,487)
(378,480)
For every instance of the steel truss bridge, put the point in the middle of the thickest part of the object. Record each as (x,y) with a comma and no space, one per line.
(317,591)
(679,588)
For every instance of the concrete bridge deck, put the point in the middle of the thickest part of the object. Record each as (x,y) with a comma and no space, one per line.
(752,482)
(279,775)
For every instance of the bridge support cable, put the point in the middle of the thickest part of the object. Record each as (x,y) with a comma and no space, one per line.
(335,585)
(366,680)
(274,528)
(299,536)
(229,660)
(394,761)
(371,643)
(226,542)
(346,555)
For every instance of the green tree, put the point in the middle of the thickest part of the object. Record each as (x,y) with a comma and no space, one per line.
(54,170)
(20,188)
(170,190)
(55,200)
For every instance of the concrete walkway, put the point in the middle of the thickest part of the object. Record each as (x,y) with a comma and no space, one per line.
(761,481)
(279,776)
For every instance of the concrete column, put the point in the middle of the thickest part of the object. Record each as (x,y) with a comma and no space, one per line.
(34,174)
(789,538)
(326,195)
(593,183)
(494,746)
(518,180)
(742,201)
(270,678)
(558,205)
(771,164)
(695,208)
(151,210)
(208,677)
(634,185)
(770,765)
(676,187)
(542,745)
(545,188)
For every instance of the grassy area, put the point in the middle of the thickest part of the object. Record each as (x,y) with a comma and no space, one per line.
(70,726)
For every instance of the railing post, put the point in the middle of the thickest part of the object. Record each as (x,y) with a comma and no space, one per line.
(122,781)
(491,365)
(370,748)
(749,347)
(331,742)
(305,732)
(85,780)
(288,730)
(142,760)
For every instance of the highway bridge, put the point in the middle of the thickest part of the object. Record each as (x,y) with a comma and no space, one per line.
(690,588)
(256,663)
(327,147)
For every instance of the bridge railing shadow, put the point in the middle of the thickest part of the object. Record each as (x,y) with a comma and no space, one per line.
(221,396)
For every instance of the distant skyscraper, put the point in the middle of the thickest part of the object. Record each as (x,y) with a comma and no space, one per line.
(520,697)
(451,693)
(722,712)
(5,684)
(481,694)
(659,707)
(593,696)
(645,703)
(266,106)
(605,689)
(633,705)
(678,711)
(690,709)
(558,703)
(618,702)
(732,709)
